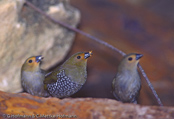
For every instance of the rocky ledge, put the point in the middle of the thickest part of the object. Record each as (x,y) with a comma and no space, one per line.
(22,105)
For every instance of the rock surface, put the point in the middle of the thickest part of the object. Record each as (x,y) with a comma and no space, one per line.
(25,33)
(80,108)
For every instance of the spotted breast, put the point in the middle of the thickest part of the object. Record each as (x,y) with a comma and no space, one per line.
(64,86)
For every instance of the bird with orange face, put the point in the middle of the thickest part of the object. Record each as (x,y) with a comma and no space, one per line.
(127,83)
(32,77)
(68,78)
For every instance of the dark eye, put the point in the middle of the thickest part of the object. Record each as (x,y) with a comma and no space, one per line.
(78,57)
(130,58)
(30,61)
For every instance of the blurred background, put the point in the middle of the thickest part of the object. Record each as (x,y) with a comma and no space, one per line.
(140,26)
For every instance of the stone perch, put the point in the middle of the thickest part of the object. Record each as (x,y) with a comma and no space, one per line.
(20,105)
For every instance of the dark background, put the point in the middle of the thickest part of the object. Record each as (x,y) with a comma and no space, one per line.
(140,26)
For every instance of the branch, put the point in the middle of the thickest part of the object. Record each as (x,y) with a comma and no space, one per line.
(98,41)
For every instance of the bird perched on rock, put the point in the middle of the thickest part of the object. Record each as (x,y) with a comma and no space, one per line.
(127,83)
(32,77)
(69,77)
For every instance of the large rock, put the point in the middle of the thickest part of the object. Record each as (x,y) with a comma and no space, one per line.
(25,33)
(20,105)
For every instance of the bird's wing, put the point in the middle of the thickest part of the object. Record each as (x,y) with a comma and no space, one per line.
(113,89)
(113,82)
(116,97)
(51,77)
(47,74)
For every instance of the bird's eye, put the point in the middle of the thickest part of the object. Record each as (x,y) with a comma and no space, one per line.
(30,61)
(78,57)
(130,58)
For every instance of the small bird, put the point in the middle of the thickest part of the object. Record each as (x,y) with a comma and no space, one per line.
(127,83)
(32,77)
(67,79)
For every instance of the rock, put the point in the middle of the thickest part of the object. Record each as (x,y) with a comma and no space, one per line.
(25,33)
(81,108)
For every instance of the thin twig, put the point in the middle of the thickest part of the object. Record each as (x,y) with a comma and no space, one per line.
(97,40)
(150,85)
(74,29)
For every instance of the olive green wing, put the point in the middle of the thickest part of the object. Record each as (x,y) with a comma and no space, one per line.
(50,78)
(114,89)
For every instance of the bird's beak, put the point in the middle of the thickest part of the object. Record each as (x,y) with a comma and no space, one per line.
(138,56)
(39,58)
(88,54)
